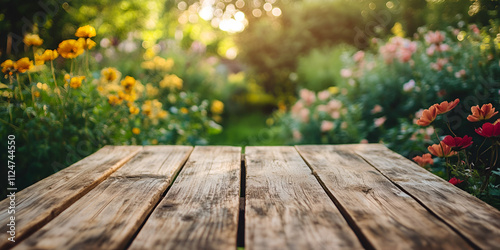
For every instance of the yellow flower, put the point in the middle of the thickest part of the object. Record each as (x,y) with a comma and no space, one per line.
(67,77)
(128,83)
(7,67)
(39,60)
(36,94)
(32,40)
(49,55)
(154,142)
(76,81)
(134,110)
(162,114)
(184,110)
(109,74)
(87,43)
(114,100)
(86,31)
(333,90)
(71,48)
(42,86)
(24,64)
(217,107)
(151,91)
(136,131)
(171,81)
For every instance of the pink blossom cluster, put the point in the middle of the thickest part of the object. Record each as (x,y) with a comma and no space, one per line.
(398,48)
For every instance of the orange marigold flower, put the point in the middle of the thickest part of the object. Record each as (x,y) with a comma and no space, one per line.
(76,81)
(424,160)
(71,48)
(86,31)
(32,40)
(484,113)
(441,150)
(24,64)
(446,106)
(428,116)
(7,66)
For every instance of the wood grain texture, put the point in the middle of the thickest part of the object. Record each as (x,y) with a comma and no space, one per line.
(109,215)
(473,218)
(286,207)
(385,215)
(41,202)
(200,210)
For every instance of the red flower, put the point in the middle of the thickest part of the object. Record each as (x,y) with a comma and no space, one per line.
(458,143)
(489,130)
(484,113)
(428,116)
(424,160)
(445,106)
(455,181)
(441,150)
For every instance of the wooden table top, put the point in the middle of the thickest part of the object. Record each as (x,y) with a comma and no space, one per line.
(215,197)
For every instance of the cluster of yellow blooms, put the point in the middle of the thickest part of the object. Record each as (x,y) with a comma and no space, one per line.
(171,81)
(22,65)
(75,81)
(153,110)
(72,48)
(158,63)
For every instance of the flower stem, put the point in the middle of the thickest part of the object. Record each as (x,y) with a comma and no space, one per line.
(20,87)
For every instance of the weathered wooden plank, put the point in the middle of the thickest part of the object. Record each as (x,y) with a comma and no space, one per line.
(286,207)
(386,216)
(41,202)
(109,215)
(476,220)
(200,210)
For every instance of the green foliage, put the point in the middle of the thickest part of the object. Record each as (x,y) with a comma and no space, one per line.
(317,70)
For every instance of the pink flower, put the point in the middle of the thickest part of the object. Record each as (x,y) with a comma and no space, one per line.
(443,47)
(434,37)
(460,74)
(334,104)
(376,109)
(409,85)
(364,141)
(430,50)
(359,56)
(297,107)
(379,121)
(326,126)
(308,96)
(335,114)
(439,64)
(474,28)
(297,136)
(345,73)
(323,95)
(304,115)
(455,181)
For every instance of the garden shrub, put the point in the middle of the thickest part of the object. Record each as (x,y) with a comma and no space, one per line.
(62,114)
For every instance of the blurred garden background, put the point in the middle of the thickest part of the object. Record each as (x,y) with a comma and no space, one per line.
(81,74)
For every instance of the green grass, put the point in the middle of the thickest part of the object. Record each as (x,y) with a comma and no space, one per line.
(247,129)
